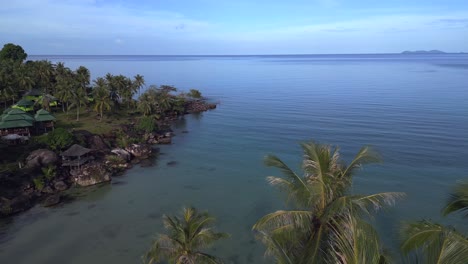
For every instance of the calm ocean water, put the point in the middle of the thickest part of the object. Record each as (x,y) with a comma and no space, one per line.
(412,108)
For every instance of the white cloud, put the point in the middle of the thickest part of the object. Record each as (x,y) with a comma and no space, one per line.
(85,18)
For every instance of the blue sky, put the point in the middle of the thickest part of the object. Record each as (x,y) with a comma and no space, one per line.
(233,27)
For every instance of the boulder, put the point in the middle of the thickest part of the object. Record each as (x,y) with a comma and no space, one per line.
(51,200)
(97,143)
(122,153)
(139,150)
(60,186)
(47,189)
(41,158)
(90,174)
(165,140)
(15,205)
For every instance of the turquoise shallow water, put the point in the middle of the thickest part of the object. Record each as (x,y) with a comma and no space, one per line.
(412,109)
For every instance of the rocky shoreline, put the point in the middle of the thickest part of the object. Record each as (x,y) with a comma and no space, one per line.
(21,190)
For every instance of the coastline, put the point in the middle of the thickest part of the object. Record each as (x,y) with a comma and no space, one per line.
(107,160)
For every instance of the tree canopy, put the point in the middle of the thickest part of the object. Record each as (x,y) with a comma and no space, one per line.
(13,52)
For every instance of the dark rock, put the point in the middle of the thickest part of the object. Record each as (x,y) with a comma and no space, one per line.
(15,205)
(165,140)
(47,189)
(139,150)
(41,158)
(185,131)
(60,186)
(97,143)
(199,106)
(90,174)
(5,207)
(51,200)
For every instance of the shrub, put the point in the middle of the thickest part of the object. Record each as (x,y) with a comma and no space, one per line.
(39,182)
(49,172)
(57,139)
(147,124)
(194,93)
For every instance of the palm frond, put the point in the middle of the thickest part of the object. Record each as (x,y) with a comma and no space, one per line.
(360,204)
(365,155)
(434,243)
(297,219)
(353,241)
(458,201)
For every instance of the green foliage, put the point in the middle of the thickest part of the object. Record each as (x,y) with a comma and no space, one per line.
(114,159)
(147,124)
(328,223)
(58,139)
(123,140)
(49,172)
(39,182)
(458,200)
(13,52)
(430,242)
(194,93)
(185,238)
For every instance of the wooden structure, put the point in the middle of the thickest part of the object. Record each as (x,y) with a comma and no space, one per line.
(16,121)
(76,156)
(44,120)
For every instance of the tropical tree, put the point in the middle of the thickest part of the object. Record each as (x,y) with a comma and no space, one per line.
(327,223)
(44,71)
(13,52)
(428,242)
(78,99)
(145,105)
(139,82)
(24,80)
(64,87)
(101,95)
(458,200)
(186,237)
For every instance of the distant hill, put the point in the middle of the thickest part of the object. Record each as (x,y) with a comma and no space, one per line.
(423,52)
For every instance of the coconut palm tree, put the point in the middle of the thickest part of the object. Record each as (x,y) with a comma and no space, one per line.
(429,242)
(65,83)
(458,200)
(79,98)
(44,71)
(145,104)
(139,82)
(186,237)
(101,95)
(325,214)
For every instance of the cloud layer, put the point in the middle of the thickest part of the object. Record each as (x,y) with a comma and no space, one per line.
(97,27)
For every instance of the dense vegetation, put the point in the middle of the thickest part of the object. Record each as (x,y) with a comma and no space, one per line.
(75,91)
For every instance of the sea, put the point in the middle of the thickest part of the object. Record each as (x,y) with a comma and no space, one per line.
(411,108)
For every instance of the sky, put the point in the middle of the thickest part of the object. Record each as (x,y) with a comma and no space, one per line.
(216,27)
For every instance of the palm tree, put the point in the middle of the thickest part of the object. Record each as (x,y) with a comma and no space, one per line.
(78,99)
(145,104)
(139,82)
(44,71)
(25,82)
(429,242)
(64,87)
(185,239)
(101,96)
(325,215)
(458,201)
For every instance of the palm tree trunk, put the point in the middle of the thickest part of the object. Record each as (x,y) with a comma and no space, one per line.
(78,112)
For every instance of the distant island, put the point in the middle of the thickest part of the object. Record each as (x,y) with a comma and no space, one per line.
(424,52)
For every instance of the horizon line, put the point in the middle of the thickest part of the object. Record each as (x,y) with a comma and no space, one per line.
(245,55)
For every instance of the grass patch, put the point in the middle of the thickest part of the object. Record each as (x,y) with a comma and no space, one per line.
(90,121)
